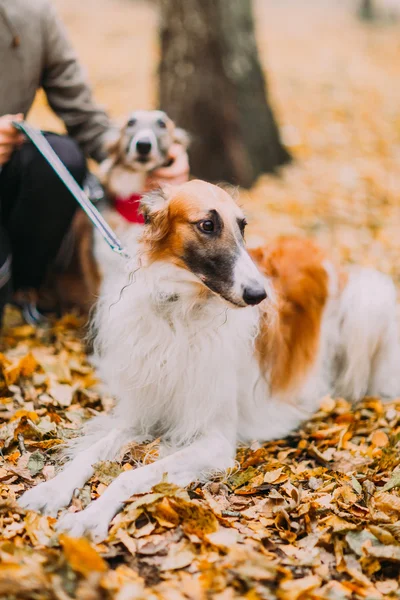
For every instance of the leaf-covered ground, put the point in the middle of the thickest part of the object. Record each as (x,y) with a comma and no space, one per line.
(313,516)
(316,515)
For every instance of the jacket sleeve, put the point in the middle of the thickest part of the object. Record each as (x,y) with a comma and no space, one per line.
(67,90)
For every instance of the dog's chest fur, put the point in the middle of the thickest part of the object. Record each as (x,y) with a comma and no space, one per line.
(124,182)
(166,356)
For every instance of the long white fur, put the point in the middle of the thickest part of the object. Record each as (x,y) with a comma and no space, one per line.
(184,368)
(368,353)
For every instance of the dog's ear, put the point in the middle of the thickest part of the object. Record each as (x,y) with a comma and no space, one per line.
(152,202)
(182,137)
(154,208)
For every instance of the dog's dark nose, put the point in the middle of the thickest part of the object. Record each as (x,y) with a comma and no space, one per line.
(253,295)
(143,146)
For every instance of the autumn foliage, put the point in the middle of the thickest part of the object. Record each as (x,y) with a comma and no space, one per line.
(314,516)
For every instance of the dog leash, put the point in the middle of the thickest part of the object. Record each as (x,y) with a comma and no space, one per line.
(43,146)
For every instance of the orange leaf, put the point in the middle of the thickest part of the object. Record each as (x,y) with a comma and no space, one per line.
(82,557)
(28,364)
(29,414)
(379,439)
(11,374)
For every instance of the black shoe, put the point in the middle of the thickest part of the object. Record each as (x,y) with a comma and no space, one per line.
(26,301)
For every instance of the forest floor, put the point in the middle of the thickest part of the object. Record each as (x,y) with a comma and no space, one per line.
(313,516)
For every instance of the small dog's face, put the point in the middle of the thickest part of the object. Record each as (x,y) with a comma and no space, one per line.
(145,140)
(200,228)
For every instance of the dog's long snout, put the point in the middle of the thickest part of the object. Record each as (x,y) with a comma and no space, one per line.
(143,146)
(249,283)
(254,294)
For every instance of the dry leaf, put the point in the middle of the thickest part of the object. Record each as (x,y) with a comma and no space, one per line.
(314,516)
(81,555)
(272,476)
(179,556)
(295,589)
(379,439)
(393,482)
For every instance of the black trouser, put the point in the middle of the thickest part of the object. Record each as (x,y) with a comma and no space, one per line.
(36,210)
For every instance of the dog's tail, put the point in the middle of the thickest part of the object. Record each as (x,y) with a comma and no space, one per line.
(369,355)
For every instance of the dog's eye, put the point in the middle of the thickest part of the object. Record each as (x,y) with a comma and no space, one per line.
(132,122)
(242,225)
(161,123)
(206,226)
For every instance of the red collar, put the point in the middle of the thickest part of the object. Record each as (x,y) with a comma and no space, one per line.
(128,208)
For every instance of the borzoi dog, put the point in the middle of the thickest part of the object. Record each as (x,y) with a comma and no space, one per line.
(204,349)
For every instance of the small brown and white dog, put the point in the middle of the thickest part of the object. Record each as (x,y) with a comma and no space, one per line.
(204,349)
(139,146)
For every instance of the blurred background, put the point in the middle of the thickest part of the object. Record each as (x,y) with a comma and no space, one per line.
(331,102)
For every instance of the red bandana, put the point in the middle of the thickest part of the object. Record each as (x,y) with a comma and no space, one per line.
(128,208)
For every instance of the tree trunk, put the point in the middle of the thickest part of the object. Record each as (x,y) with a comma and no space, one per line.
(366,10)
(211,84)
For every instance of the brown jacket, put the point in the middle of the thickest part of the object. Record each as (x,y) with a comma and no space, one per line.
(35,53)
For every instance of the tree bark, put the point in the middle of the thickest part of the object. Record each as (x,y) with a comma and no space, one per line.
(366,10)
(211,84)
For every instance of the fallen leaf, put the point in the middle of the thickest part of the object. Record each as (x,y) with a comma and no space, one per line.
(358,540)
(62,393)
(179,556)
(391,553)
(128,542)
(35,463)
(223,537)
(379,439)
(106,471)
(296,588)
(81,555)
(272,476)
(393,482)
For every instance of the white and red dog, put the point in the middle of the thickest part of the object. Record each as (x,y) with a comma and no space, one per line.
(204,350)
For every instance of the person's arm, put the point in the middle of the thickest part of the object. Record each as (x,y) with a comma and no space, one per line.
(68,91)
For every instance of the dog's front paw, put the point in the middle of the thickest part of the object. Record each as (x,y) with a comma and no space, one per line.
(48,498)
(90,522)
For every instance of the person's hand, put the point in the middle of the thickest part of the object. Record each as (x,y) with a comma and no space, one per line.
(175,174)
(10,137)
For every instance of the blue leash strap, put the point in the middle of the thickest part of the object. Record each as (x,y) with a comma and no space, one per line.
(43,146)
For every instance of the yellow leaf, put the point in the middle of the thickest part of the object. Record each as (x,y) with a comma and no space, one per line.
(272,476)
(4,474)
(387,502)
(27,365)
(22,331)
(82,557)
(296,588)
(195,518)
(338,524)
(379,439)
(327,404)
(11,374)
(30,414)
(127,540)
